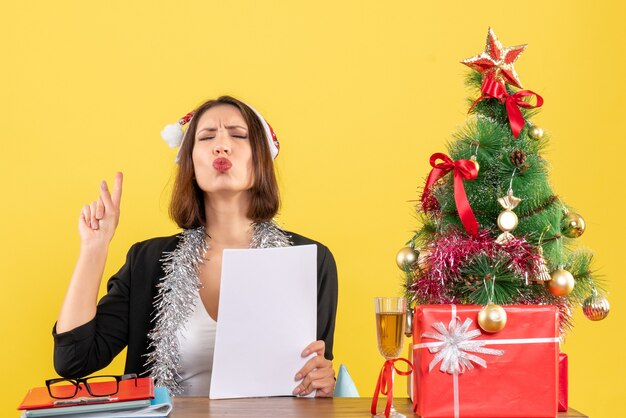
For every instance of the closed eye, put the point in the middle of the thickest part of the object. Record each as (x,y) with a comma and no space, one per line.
(204,138)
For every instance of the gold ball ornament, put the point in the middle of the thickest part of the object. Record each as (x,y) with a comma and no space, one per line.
(535,132)
(596,307)
(573,225)
(562,282)
(406,257)
(492,318)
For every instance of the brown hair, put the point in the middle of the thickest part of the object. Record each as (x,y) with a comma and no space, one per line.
(187,205)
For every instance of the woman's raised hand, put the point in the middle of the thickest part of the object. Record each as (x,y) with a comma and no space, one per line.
(97,222)
(96,226)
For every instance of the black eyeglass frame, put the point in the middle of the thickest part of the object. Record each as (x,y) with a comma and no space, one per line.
(85,382)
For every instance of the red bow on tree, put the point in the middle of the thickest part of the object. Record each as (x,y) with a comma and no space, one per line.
(385,383)
(494,89)
(463,170)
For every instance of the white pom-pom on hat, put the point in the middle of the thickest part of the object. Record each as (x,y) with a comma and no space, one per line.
(173,134)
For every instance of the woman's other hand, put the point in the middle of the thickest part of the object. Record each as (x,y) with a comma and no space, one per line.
(318,372)
(97,222)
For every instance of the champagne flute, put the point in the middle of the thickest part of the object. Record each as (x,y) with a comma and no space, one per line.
(390,318)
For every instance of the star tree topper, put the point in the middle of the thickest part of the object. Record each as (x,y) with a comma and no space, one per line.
(497,62)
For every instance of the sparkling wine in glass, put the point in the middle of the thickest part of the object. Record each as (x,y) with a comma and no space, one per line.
(390,318)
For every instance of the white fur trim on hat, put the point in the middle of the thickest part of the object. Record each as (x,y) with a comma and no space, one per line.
(173,133)
(272,141)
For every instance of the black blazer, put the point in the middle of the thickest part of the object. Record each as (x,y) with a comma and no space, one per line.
(123,316)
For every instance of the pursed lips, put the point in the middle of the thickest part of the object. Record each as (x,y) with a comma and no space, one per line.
(222,164)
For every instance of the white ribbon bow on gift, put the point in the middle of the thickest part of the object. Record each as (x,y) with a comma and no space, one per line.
(454,350)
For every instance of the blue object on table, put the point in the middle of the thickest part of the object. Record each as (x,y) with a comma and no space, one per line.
(161,396)
(345,387)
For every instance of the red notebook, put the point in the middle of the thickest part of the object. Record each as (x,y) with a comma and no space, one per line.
(37,398)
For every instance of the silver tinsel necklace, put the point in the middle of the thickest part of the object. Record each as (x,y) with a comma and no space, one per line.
(177,290)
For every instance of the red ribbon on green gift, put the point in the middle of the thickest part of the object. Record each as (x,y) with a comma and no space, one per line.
(494,89)
(385,383)
(463,170)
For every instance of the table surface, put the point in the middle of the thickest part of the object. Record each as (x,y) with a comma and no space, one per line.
(191,407)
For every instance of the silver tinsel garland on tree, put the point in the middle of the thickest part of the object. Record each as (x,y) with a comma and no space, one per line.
(176,297)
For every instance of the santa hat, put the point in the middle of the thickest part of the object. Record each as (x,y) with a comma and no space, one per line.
(173,134)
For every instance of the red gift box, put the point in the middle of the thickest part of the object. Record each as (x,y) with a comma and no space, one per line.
(563,404)
(511,373)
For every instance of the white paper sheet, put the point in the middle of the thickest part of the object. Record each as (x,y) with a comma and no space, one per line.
(267,315)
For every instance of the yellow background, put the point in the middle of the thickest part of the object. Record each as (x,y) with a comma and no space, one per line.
(360,95)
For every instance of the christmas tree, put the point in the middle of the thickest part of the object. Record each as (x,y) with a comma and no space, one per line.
(493,231)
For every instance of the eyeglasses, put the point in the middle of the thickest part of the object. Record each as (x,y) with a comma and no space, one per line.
(62,388)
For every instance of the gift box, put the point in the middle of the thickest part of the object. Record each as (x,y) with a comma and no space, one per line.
(563,404)
(462,371)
